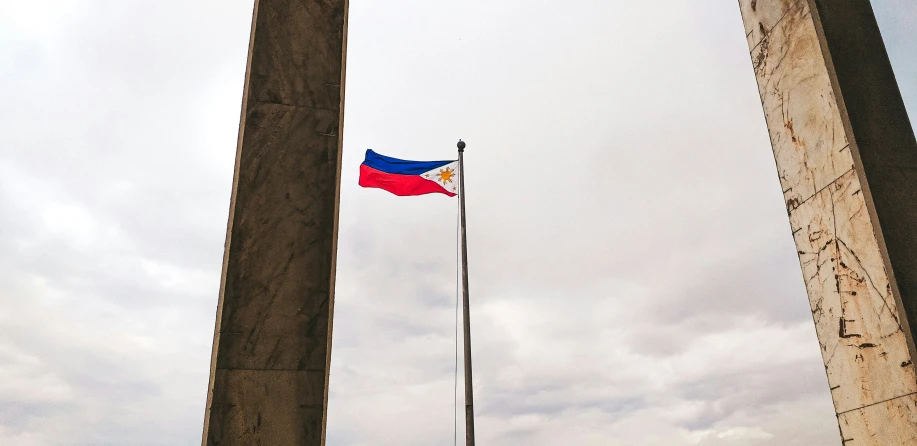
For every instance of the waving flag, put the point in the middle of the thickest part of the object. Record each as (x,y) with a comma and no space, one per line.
(402,177)
(406,178)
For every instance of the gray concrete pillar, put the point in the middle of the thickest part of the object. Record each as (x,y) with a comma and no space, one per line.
(272,342)
(847,161)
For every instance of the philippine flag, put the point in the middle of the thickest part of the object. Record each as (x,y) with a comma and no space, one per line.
(405,178)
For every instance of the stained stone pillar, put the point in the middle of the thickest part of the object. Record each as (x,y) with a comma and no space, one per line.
(271,349)
(847,161)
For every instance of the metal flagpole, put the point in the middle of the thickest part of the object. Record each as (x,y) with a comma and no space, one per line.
(469,400)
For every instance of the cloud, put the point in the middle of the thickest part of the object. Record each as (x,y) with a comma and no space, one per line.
(117,147)
(633,277)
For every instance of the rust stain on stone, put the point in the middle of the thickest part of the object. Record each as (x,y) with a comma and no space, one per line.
(760,60)
(798,142)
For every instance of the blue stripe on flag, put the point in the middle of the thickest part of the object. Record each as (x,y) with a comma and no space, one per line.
(401,167)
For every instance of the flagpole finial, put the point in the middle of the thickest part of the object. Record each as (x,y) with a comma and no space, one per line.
(461,145)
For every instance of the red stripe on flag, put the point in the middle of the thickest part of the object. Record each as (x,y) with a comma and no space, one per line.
(401,185)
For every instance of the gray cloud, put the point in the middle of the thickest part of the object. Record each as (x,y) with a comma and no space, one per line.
(633,276)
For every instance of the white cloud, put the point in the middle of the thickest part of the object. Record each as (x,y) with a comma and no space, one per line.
(633,278)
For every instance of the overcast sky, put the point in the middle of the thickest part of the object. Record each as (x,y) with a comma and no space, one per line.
(633,276)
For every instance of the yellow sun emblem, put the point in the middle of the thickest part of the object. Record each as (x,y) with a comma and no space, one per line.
(445,175)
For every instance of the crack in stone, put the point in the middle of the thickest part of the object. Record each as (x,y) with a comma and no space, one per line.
(872,284)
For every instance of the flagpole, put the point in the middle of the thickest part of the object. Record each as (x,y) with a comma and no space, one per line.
(469,399)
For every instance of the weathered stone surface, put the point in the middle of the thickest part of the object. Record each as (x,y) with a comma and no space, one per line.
(259,351)
(857,321)
(847,160)
(271,349)
(760,20)
(898,418)
(807,134)
(297,46)
(883,141)
(293,417)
